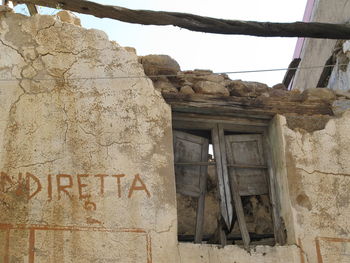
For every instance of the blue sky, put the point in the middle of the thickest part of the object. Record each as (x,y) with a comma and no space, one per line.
(219,53)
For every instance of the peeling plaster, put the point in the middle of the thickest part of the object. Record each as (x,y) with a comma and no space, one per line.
(71,148)
(60,132)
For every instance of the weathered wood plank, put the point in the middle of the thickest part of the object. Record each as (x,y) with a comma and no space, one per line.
(242,166)
(247,150)
(188,148)
(279,229)
(234,191)
(329,65)
(242,106)
(222,234)
(291,71)
(196,163)
(192,180)
(238,166)
(201,199)
(224,185)
(200,23)
(195,124)
(32,9)
(227,120)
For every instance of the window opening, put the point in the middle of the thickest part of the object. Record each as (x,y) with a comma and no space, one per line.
(200,192)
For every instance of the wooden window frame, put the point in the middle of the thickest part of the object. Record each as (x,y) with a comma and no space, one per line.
(217,125)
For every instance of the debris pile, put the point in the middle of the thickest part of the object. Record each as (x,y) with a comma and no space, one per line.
(167,77)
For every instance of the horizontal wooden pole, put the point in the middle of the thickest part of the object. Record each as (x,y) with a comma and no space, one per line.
(247,166)
(200,23)
(32,9)
(196,163)
(243,166)
(242,106)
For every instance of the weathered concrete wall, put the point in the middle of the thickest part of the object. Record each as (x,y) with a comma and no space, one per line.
(318,174)
(86,164)
(191,253)
(315,52)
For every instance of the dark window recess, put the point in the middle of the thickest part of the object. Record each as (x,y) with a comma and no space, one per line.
(223,189)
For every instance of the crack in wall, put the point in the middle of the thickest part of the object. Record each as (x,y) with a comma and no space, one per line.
(38,163)
(106,144)
(322,172)
(302,254)
(44,28)
(168,229)
(13,105)
(66,122)
(9,46)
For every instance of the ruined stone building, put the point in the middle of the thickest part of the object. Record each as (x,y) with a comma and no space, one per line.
(317,51)
(110,157)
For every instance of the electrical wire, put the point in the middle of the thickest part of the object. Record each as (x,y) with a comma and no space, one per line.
(174,75)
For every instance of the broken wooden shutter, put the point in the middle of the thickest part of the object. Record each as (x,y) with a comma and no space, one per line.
(247,173)
(246,162)
(222,173)
(191,179)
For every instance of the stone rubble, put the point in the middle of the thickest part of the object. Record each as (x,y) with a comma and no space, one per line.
(159,65)
(318,94)
(205,82)
(209,87)
(68,17)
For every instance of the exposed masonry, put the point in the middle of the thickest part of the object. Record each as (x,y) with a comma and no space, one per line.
(174,83)
(118,133)
(75,153)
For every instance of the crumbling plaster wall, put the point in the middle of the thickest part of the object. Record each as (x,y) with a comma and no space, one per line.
(86,163)
(318,176)
(194,253)
(87,169)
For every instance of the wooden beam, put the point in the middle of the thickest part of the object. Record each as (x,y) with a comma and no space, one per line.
(274,188)
(328,68)
(32,9)
(201,23)
(326,72)
(233,181)
(228,165)
(263,108)
(291,71)
(223,180)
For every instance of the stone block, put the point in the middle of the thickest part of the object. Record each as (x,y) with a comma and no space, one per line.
(213,88)
(164,86)
(68,17)
(280,86)
(187,90)
(318,94)
(340,106)
(241,88)
(131,49)
(159,65)
(193,76)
